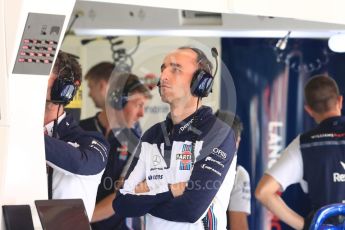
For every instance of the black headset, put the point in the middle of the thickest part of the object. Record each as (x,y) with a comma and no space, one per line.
(202,81)
(118,98)
(64,87)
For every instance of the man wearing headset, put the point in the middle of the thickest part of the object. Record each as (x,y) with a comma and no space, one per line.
(98,78)
(315,159)
(125,103)
(75,158)
(191,147)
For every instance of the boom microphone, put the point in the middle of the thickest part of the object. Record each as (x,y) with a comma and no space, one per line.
(215,55)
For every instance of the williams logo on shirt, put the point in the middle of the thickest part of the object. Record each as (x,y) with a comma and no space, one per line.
(123,152)
(339,177)
(185,157)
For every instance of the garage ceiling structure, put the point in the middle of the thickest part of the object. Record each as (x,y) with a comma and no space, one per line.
(105,18)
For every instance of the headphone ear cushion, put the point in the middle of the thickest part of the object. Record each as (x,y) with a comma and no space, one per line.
(63,91)
(114,99)
(201,84)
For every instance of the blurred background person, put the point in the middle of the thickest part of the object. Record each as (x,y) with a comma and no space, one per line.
(315,159)
(239,205)
(97,81)
(125,104)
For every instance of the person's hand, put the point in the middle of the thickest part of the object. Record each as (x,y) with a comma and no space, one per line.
(119,183)
(178,188)
(142,187)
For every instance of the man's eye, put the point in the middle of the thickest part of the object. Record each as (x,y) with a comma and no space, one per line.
(175,70)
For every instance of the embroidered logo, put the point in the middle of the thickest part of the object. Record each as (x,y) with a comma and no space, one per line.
(123,152)
(185,157)
(342,164)
(156,160)
(339,177)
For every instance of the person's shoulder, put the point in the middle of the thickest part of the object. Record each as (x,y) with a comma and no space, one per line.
(86,120)
(88,123)
(242,172)
(154,132)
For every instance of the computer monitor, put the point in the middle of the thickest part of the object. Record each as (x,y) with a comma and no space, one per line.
(17,217)
(67,214)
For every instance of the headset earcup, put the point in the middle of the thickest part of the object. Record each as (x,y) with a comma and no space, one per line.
(62,92)
(124,101)
(54,94)
(201,84)
(114,100)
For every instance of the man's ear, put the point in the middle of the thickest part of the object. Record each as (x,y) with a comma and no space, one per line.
(103,84)
(309,110)
(340,102)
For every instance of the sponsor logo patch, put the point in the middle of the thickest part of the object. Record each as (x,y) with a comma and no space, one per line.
(339,177)
(155,177)
(182,128)
(214,161)
(219,153)
(123,152)
(185,157)
(156,160)
(205,166)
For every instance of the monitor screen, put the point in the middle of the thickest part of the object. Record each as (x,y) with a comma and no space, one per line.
(67,214)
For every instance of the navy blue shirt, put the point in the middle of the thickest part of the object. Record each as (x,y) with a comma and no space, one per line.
(122,143)
(323,154)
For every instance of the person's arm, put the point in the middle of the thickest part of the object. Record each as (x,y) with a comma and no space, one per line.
(286,171)
(103,209)
(77,151)
(207,176)
(238,220)
(267,193)
(130,204)
(239,204)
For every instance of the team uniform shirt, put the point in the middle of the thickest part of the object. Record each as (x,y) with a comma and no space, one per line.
(78,159)
(122,143)
(240,194)
(316,159)
(93,124)
(201,151)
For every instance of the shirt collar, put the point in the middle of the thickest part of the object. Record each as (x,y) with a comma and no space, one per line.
(188,122)
(49,127)
(332,121)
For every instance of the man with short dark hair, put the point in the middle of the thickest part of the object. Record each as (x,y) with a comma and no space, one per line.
(190,147)
(97,81)
(316,159)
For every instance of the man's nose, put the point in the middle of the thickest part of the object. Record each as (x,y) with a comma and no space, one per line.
(164,75)
(141,112)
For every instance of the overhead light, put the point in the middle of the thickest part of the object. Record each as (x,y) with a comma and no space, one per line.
(336,43)
(281,44)
(201,33)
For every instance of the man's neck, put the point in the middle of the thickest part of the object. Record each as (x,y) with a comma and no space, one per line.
(102,118)
(52,113)
(180,111)
(321,117)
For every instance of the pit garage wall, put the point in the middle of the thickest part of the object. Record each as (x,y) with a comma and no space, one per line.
(270,104)
(22,101)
